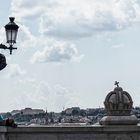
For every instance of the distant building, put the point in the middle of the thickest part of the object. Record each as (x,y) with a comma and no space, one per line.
(69,111)
(30,111)
(15,112)
(90,111)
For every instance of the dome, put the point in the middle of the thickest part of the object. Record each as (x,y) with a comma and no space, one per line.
(118,103)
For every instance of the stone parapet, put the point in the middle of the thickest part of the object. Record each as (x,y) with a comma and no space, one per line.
(95,132)
(119,120)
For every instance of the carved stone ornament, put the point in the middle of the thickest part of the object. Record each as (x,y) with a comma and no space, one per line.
(118,102)
(2,61)
(118,105)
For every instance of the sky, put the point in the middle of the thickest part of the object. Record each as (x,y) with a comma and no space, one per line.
(70,53)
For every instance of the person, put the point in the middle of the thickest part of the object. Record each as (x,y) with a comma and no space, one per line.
(7,122)
(10,122)
(2,121)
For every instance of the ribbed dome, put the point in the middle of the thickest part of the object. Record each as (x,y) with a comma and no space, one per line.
(118,103)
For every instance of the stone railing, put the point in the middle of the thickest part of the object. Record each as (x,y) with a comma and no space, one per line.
(97,132)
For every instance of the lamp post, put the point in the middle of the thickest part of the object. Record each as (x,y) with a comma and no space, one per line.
(11,30)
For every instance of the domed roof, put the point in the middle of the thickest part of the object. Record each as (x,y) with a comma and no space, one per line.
(118,102)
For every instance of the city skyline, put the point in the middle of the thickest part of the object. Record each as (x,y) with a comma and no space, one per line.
(70,53)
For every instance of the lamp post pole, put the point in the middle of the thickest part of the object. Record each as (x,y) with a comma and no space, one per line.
(11,30)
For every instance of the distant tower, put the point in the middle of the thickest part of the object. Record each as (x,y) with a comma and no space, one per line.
(46,118)
(63,108)
(118,105)
(46,110)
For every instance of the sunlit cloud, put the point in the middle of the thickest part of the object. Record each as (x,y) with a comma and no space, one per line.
(77,18)
(14,70)
(58,52)
(42,95)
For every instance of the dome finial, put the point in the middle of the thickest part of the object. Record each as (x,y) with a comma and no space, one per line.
(116,83)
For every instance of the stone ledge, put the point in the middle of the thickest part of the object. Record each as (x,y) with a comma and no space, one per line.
(89,129)
(119,120)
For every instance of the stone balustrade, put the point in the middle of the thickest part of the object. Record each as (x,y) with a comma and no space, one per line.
(97,132)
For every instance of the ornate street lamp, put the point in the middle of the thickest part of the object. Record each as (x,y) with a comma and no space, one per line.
(11,34)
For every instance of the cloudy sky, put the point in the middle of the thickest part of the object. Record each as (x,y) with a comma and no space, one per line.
(70,53)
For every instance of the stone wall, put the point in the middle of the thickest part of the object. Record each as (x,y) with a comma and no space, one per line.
(71,133)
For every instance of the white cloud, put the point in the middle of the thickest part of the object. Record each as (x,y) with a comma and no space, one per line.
(42,95)
(117,46)
(24,9)
(14,70)
(2,35)
(52,50)
(68,19)
(25,38)
(77,18)
(57,52)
